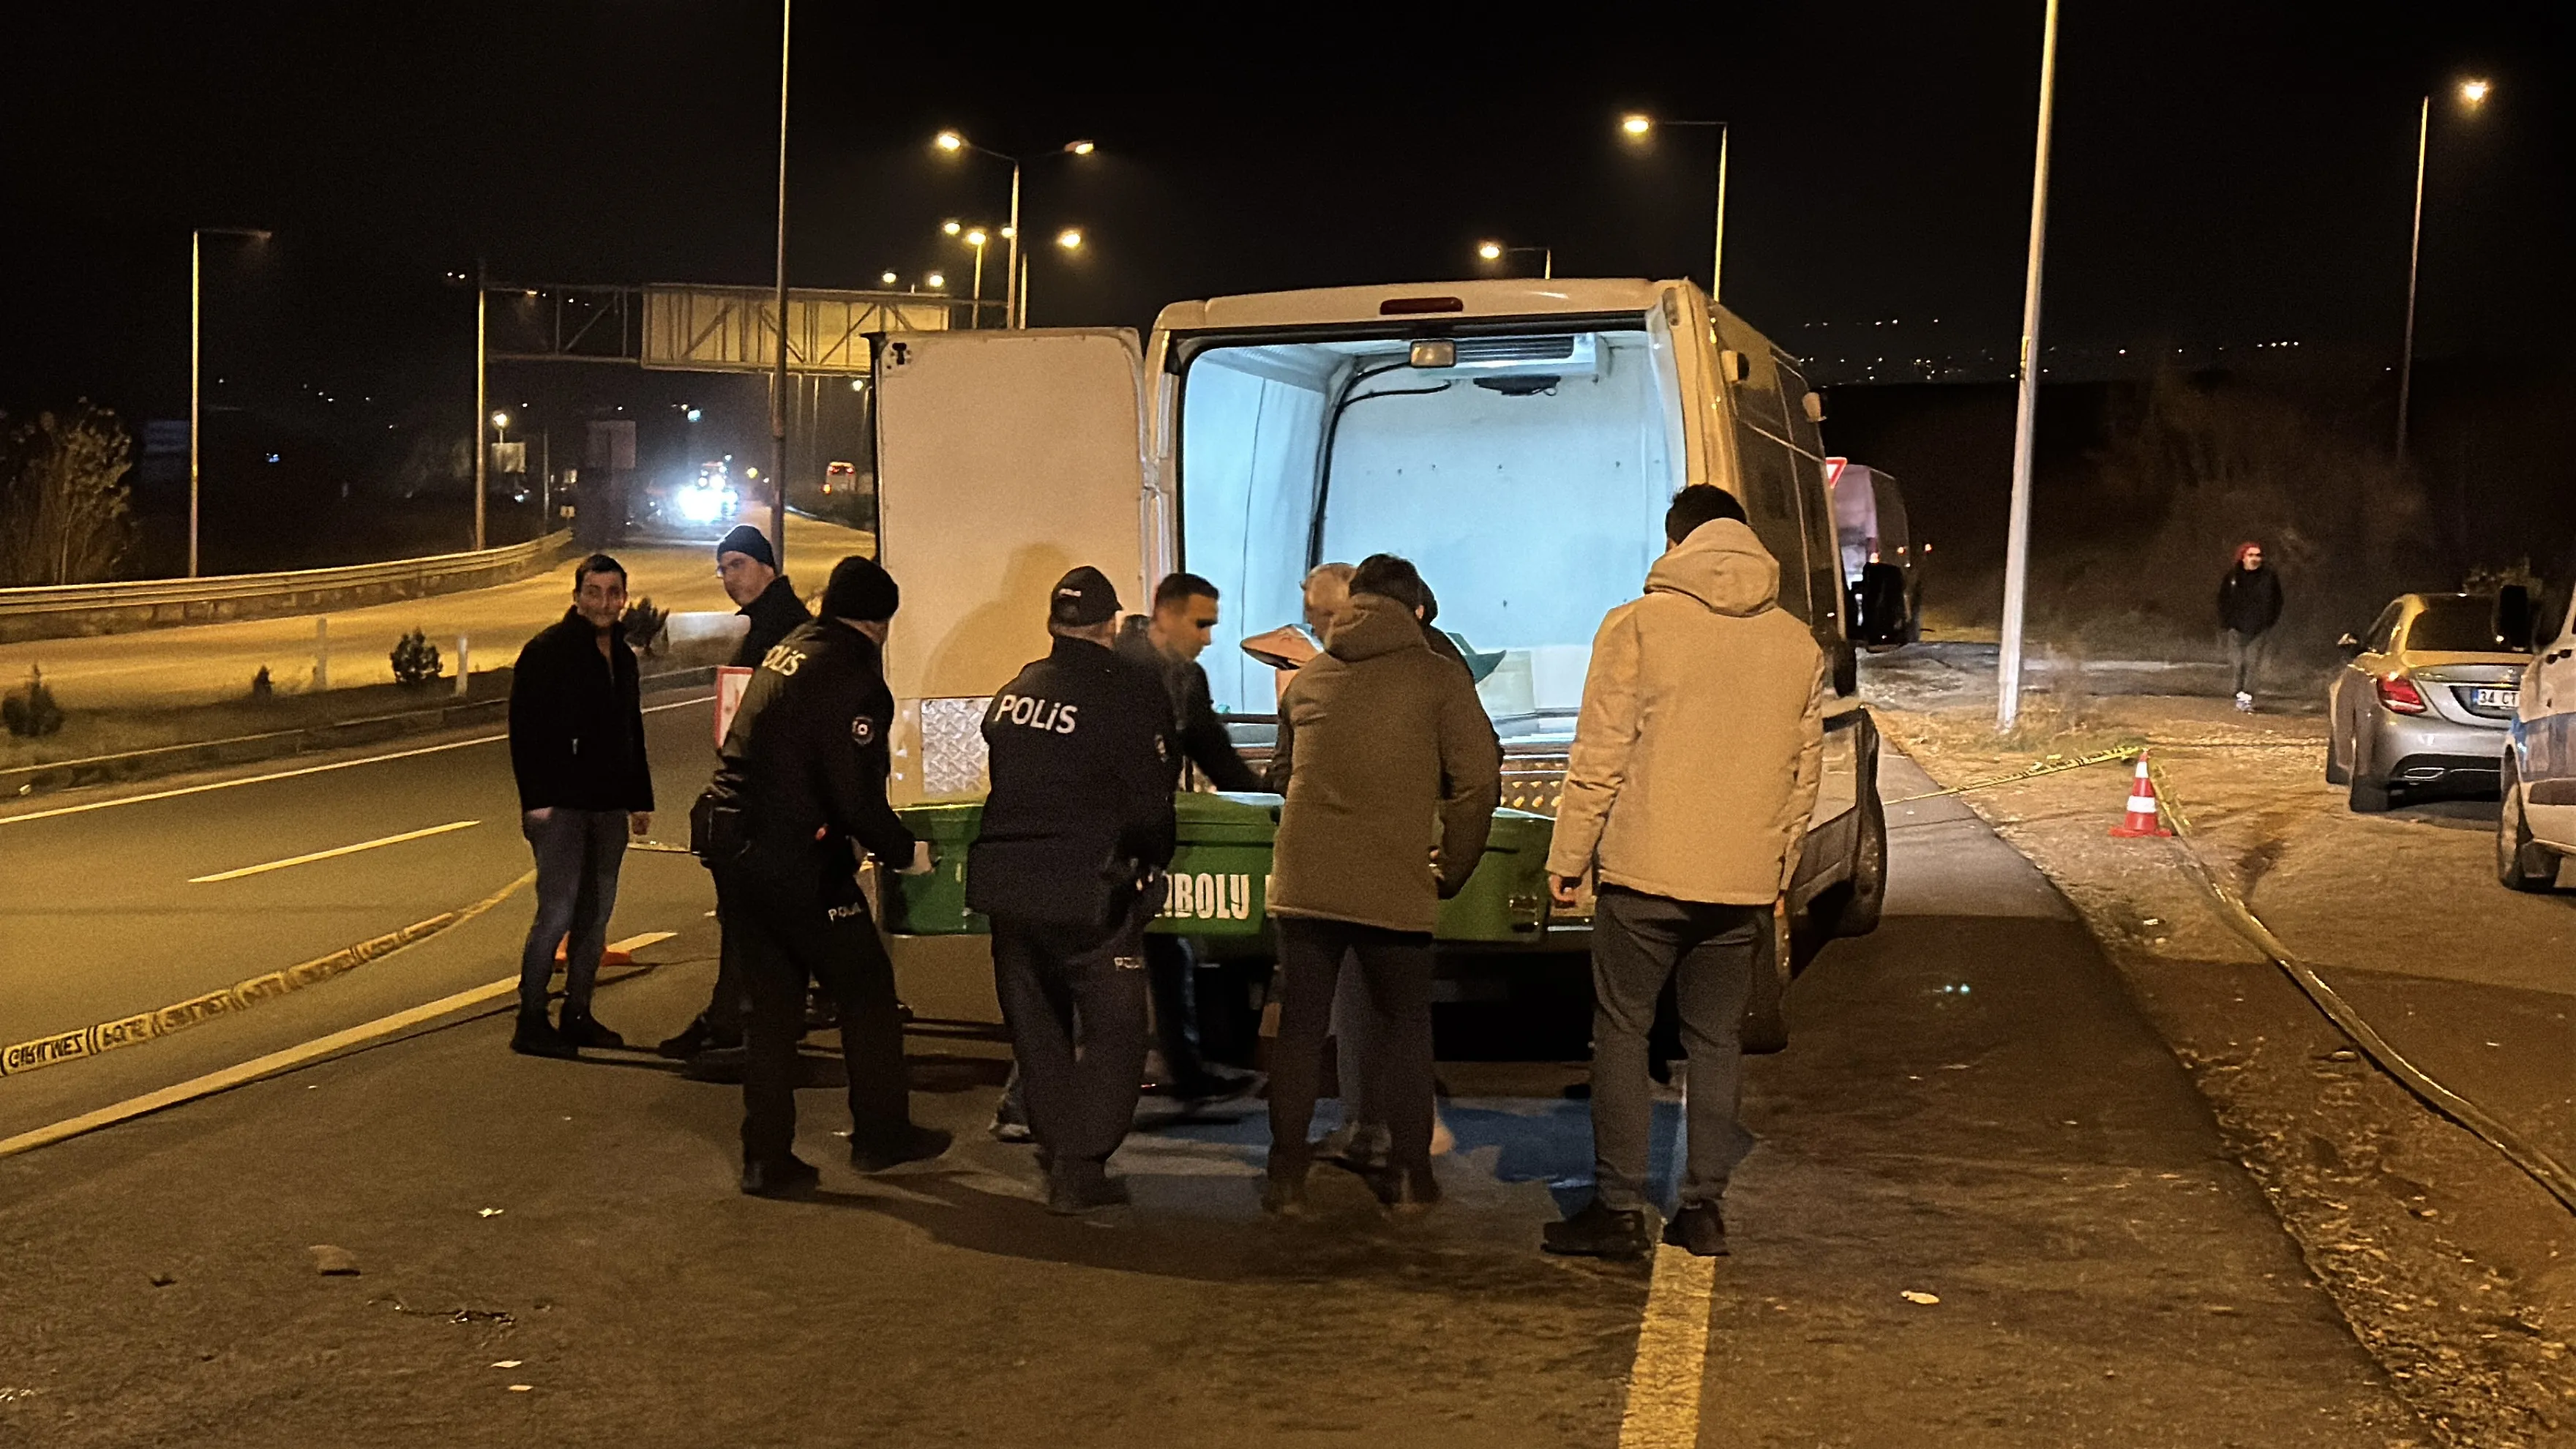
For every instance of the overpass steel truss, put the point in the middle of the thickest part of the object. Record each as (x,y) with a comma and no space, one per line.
(684,328)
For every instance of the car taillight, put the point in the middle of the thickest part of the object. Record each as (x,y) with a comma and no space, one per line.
(2399,693)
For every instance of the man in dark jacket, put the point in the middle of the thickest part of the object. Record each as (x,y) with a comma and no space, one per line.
(1391,772)
(1068,864)
(2249,604)
(577,748)
(802,778)
(770,608)
(1169,641)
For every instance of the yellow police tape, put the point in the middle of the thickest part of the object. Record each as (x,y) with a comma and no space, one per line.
(2121,755)
(107,1036)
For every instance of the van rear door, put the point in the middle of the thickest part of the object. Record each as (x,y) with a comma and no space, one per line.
(1004,459)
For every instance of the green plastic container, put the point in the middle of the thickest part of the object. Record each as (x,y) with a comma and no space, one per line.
(1220,875)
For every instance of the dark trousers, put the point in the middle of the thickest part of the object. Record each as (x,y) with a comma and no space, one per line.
(787,932)
(727,1007)
(578,853)
(1708,952)
(1172,970)
(2245,654)
(1395,967)
(1074,998)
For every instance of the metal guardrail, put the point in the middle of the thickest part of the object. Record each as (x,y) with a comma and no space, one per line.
(222,588)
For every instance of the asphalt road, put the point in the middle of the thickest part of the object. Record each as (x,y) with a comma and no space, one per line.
(1971,1110)
(198,664)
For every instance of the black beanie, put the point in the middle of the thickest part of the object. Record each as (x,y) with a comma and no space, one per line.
(860,590)
(749,541)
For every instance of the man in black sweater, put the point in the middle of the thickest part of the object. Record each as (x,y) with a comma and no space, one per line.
(749,570)
(1068,864)
(577,747)
(802,781)
(1169,641)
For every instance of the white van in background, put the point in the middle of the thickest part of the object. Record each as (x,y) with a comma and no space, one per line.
(1518,440)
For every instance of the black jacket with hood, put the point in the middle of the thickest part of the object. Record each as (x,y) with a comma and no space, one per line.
(577,721)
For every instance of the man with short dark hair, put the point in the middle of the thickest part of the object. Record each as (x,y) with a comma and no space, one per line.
(803,782)
(1170,641)
(1694,769)
(577,750)
(1068,863)
(770,610)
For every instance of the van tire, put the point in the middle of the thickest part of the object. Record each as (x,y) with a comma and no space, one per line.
(2522,863)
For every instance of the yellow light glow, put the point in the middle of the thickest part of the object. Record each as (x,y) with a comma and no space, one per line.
(1009,232)
(1490,251)
(751,472)
(1070,239)
(501,420)
(952,227)
(1081,148)
(887,278)
(1636,125)
(950,141)
(2474,92)
(976,237)
(936,281)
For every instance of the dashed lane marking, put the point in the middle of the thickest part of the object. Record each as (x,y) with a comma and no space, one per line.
(1672,1354)
(334,852)
(145,798)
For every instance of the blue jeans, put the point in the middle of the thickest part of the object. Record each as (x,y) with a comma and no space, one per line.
(578,853)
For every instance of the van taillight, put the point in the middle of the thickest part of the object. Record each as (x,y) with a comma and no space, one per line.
(2399,693)
(1416,306)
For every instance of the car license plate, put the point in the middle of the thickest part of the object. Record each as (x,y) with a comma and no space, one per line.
(2504,699)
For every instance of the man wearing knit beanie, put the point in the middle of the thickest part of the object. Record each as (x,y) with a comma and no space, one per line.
(802,787)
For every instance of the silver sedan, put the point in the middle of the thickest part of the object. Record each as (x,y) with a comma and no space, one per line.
(2423,701)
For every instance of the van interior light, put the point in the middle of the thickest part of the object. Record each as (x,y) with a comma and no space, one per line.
(1432,352)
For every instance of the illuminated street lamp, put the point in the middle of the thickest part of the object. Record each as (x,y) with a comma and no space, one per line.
(1640,127)
(1070,239)
(935,281)
(196,353)
(1014,305)
(2473,94)
(976,237)
(1494,251)
(887,279)
(501,423)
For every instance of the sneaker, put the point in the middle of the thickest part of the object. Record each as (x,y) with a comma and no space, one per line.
(912,1144)
(719,1064)
(1600,1231)
(788,1178)
(1698,1229)
(1360,1147)
(691,1040)
(1011,1120)
(585,1031)
(1213,1083)
(1071,1194)
(2244,702)
(537,1037)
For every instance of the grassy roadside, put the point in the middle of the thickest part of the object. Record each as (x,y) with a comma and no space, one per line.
(2453,1269)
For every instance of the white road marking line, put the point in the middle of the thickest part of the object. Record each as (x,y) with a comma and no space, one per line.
(333,853)
(84,809)
(234,1076)
(639,942)
(1672,1353)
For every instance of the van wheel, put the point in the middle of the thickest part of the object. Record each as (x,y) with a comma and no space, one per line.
(2522,864)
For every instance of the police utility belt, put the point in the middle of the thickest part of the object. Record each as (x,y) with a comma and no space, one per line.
(718,831)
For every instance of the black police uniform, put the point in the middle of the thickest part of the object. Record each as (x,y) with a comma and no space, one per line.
(803,776)
(1076,832)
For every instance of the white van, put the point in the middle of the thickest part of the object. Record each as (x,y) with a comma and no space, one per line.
(1518,440)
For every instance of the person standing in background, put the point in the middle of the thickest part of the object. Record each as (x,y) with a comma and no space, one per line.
(577,751)
(2249,604)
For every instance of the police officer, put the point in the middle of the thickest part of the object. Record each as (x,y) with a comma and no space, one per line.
(803,776)
(1068,864)
(770,610)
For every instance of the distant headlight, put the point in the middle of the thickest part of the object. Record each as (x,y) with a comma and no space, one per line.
(703,505)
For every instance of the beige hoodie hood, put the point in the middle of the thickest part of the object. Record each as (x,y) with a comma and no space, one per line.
(1723,566)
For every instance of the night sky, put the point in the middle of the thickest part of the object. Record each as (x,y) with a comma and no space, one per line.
(2226,173)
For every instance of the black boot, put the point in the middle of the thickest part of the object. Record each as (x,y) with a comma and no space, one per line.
(786,1177)
(1698,1229)
(691,1040)
(1599,1231)
(583,1030)
(537,1037)
(911,1144)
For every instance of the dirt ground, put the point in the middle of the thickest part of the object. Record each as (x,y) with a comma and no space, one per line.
(2456,1270)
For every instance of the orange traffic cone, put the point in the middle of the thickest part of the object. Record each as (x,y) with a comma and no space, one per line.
(2143,818)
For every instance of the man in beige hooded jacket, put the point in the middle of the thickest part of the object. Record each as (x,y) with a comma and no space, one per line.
(1694,769)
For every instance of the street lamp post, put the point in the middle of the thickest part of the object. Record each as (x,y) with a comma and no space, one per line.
(976,237)
(196,357)
(1014,308)
(1494,251)
(1071,240)
(2474,93)
(778,378)
(2017,530)
(482,367)
(1638,127)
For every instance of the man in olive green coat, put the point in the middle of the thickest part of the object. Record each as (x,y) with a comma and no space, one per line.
(1391,774)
